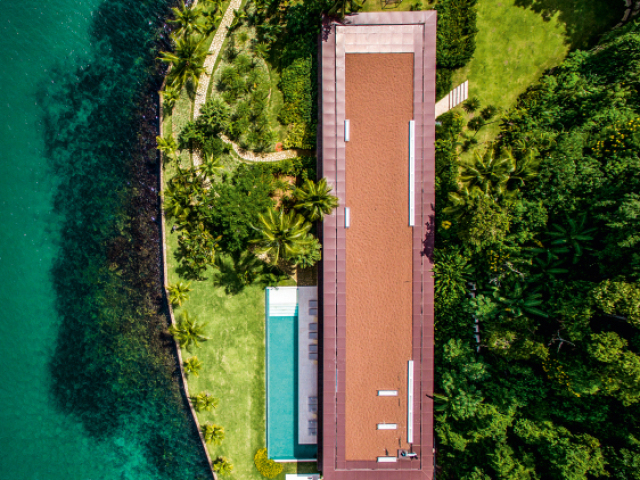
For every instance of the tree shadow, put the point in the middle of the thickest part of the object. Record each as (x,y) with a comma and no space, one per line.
(585,20)
(429,242)
(236,271)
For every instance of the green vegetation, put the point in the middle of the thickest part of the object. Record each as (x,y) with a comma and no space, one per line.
(192,365)
(518,40)
(190,39)
(205,402)
(213,433)
(179,293)
(188,331)
(222,466)
(543,223)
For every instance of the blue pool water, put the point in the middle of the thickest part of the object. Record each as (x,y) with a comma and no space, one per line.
(282,391)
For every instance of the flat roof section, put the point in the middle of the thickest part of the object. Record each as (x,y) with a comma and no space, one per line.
(379,106)
(397,33)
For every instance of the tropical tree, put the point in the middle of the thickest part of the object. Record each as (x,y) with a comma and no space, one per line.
(204,401)
(314,200)
(238,17)
(239,269)
(470,105)
(212,14)
(452,270)
(179,292)
(211,166)
(188,331)
(169,97)
(572,235)
(187,63)
(222,466)
(188,21)
(308,256)
(213,433)
(341,8)
(261,49)
(519,301)
(487,173)
(168,146)
(197,248)
(282,235)
(192,365)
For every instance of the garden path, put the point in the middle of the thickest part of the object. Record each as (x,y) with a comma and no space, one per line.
(203,86)
(264,157)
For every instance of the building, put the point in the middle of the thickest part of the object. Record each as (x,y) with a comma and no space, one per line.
(376,148)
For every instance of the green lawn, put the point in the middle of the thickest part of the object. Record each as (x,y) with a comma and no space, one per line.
(515,44)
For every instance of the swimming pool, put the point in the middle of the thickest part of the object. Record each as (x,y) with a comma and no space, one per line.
(282,379)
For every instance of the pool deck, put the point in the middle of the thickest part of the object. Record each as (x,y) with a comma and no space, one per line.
(345,453)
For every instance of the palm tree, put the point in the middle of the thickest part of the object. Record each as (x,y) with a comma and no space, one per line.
(204,401)
(192,365)
(179,293)
(188,331)
(242,38)
(519,302)
(471,105)
(282,234)
(213,433)
(188,21)
(238,17)
(261,50)
(212,14)
(239,269)
(314,199)
(222,466)
(341,8)
(309,255)
(488,173)
(169,97)
(168,146)
(571,236)
(187,61)
(211,166)
(526,166)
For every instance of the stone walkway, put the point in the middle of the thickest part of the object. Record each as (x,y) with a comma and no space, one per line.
(203,86)
(264,157)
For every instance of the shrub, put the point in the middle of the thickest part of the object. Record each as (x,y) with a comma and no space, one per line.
(267,467)
(444,82)
(489,112)
(301,135)
(234,205)
(222,466)
(296,85)
(301,167)
(471,104)
(456,32)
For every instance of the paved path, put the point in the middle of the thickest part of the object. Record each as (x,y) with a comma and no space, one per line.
(453,98)
(209,63)
(203,86)
(262,157)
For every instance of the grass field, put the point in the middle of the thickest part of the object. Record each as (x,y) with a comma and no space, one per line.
(518,40)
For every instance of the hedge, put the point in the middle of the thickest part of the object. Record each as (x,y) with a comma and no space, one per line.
(457,30)
(267,467)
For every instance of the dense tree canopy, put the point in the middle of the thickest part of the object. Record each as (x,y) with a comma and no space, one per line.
(537,246)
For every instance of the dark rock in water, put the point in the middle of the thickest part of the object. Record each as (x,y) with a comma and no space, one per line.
(112,363)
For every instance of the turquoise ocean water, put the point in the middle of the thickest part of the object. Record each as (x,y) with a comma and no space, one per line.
(44,434)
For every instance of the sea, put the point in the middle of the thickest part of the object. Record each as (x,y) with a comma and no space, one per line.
(84,395)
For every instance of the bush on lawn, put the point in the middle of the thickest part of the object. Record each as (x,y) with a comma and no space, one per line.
(267,467)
